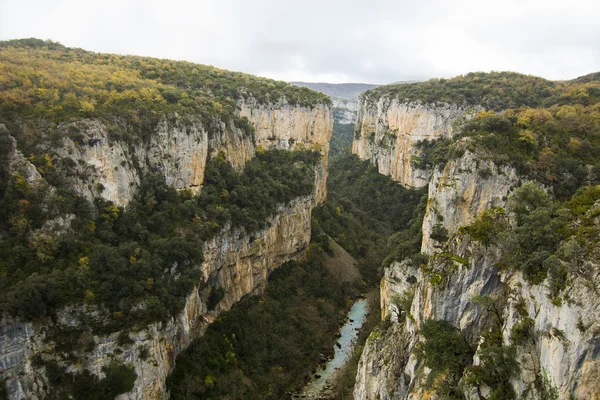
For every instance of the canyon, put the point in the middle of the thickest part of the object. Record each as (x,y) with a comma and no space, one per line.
(235,260)
(497,299)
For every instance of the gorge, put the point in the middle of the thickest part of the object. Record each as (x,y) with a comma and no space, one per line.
(172,230)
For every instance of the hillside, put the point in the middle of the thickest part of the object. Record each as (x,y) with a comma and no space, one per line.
(493,91)
(128,185)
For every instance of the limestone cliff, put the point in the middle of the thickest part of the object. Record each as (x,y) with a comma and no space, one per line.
(344,97)
(104,165)
(462,190)
(283,126)
(563,351)
(388,129)
(110,167)
(345,111)
(234,261)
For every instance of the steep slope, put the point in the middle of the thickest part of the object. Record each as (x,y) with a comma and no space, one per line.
(93,147)
(503,302)
(392,119)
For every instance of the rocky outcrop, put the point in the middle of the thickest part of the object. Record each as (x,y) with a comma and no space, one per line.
(345,111)
(283,126)
(386,133)
(234,261)
(106,164)
(564,347)
(462,190)
(100,167)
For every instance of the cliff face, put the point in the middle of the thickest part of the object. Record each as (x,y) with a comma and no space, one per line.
(345,111)
(386,133)
(344,97)
(234,261)
(110,168)
(283,126)
(564,347)
(461,191)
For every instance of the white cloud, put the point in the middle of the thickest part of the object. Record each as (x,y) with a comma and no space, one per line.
(337,41)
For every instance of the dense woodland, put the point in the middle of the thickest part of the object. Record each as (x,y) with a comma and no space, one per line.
(109,256)
(494,91)
(119,261)
(43,83)
(266,346)
(116,257)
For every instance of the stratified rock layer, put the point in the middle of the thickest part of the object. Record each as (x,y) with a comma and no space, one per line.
(386,133)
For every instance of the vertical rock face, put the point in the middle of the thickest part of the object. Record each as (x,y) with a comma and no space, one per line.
(565,345)
(235,261)
(179,152)
(110,167)
(387,131)
(283,126)
(102,167)
(461,191)
(345,110)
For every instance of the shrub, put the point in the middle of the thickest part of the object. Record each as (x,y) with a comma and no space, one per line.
(215,296)
(439,233)
(444,349)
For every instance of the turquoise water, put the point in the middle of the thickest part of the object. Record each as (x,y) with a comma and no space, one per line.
(356,318)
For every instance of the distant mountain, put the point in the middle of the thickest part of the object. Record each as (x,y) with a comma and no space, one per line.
(347,91)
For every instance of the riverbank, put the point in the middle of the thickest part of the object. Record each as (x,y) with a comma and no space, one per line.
(335,380)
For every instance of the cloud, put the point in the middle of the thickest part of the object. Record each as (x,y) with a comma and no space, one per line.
(375,41)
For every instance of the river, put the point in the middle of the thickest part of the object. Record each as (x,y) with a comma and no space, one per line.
(356,318)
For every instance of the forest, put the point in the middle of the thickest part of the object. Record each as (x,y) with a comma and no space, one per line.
(494,91)
(115,258)
(44,83)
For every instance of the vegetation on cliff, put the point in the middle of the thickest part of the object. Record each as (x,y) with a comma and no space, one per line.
(364,209)
(548,238)
(118,378)
(547,234)
(267,345)
(556,146)
(48,83)
(140,262)
(492,91)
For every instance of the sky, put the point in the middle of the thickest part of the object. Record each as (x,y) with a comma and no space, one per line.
(371,41)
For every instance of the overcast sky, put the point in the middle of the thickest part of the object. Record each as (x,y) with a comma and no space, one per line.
(373,41)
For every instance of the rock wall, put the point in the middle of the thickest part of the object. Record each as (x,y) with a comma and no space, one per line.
(345,111)
(287,127)
(109,167)
(386,133)
(237,262)
(462,190)
(565,336)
